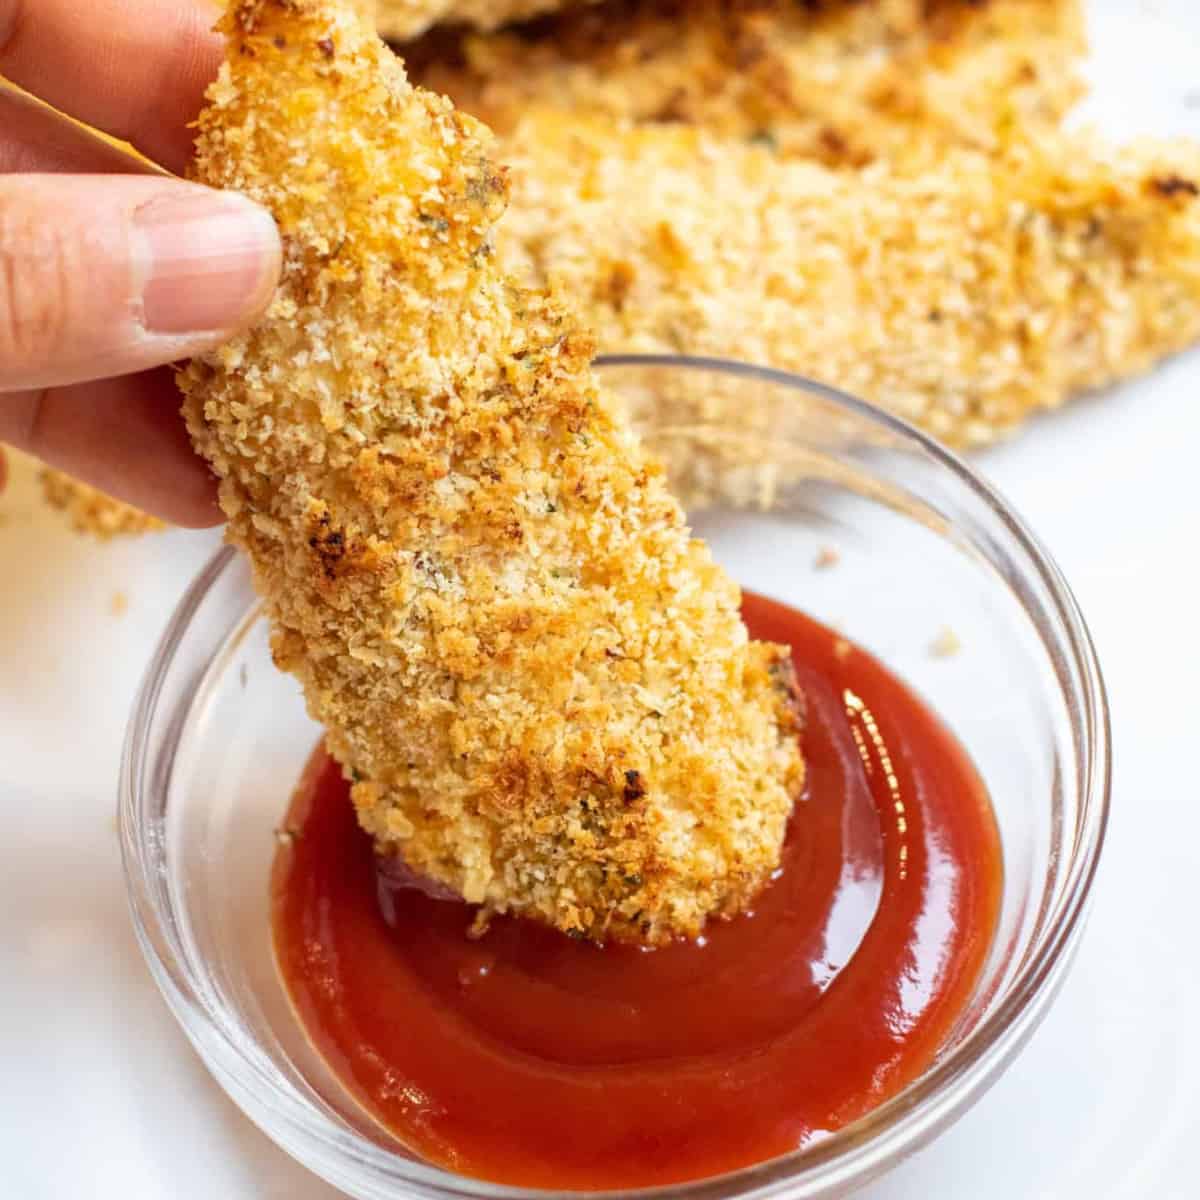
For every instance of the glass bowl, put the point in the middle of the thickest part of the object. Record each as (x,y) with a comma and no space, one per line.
(807,496)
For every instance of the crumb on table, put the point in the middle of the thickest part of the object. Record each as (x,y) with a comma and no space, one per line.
(90,511)
(946,645)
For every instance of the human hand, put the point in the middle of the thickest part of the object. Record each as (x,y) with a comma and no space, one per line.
(108,270)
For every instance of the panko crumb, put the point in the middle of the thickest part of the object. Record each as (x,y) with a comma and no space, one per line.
(827,556)
(539,683)
(119,604)
(92,512)
(946,645)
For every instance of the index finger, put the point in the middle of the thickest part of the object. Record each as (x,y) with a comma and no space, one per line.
(136,69)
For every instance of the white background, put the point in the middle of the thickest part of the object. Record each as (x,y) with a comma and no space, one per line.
(101,1096)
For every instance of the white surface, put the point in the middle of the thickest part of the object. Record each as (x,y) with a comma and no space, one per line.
(100,1095)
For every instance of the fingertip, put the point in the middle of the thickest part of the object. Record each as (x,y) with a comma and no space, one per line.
(212,262)
(109,275)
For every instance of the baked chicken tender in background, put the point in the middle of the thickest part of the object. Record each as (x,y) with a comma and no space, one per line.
(964,298)
(539,682)
(844,82)
(877,195)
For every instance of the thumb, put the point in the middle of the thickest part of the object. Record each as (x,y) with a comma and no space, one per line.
(107,275)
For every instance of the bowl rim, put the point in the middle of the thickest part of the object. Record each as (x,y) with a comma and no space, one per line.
(850,1156)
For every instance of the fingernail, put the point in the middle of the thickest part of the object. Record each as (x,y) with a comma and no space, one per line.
(212,261)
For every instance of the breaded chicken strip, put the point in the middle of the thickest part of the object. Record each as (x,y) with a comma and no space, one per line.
(964,298)
(407,18)
(91,511)
(539,682)
(845,81)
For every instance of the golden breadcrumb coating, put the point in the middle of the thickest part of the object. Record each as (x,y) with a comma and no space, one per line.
(843,81)
(962,298)
(539,682)
(407,18)
(984,266)
(91,511)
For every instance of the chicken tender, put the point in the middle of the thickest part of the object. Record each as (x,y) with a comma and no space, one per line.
(964,298)
(844,82)
(91,511)
(538,681)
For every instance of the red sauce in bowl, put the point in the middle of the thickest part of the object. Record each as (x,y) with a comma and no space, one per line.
(528,1058)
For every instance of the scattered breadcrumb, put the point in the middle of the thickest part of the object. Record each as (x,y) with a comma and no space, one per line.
(840,81)
(407,18)
(91,511)
(480,924)
(963,298)
(827,556)
(946,644)
(538,681)
(119,604)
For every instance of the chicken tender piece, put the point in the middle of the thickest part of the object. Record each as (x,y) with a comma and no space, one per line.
(964,298)
(91,511)
(407,18)
(538,681)
(844,82)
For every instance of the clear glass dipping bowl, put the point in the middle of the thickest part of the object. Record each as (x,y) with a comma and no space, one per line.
(922,545)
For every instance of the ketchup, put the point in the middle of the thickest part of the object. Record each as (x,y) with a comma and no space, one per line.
(532,1059)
